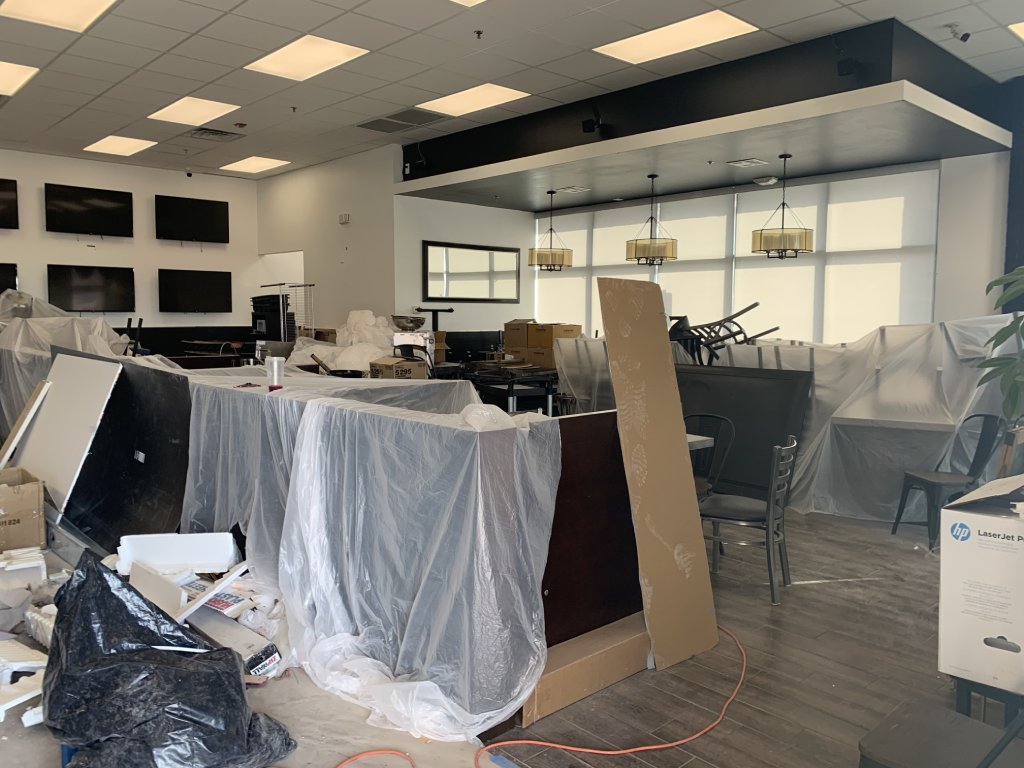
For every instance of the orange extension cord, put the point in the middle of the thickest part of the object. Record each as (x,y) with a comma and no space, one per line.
(632,750)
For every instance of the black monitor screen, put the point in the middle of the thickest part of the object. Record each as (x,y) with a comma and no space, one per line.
(85,211)
(186,218)
(188,290)
(91,289)
(8,204)
(8,276)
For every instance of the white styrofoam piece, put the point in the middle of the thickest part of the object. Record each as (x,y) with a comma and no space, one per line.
(15,657)
(22,568)
(157,588)
(12,607)
(25,689)
(40,623)
(58,440)
(176,552)
(33,716)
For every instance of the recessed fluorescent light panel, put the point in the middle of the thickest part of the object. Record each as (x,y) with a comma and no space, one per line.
(13,76)
(255,164)
(468,3)
(120,145)
(696,32)
(306,57)
(192,111)
(1018,29)
(473,99)
(74,15)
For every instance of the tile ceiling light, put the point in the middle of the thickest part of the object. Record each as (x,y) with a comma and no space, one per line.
(120,145)
(13,76)
(254,164)
(192,111)
(473,100)
(306,57)
(74,15)
(468,3)
(1018,29)
(696,32)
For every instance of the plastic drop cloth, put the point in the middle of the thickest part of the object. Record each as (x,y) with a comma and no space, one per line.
(411,560)
(356,357)
(242,441)
(20,304)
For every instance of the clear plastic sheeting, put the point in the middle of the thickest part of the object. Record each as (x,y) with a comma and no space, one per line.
(24,305)
(411,560)
(25,353)
(889,402)
(242,441)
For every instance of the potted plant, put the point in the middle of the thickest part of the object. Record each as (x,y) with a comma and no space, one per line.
(1008,369)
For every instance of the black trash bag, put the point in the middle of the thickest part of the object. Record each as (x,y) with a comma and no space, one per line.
(121,702)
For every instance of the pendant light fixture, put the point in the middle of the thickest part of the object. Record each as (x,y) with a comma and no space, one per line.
(550,258)
(783,242)
(653,250)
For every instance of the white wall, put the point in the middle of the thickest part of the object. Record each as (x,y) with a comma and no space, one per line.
(418,219)
(353,266)
(32,247)
(972,233)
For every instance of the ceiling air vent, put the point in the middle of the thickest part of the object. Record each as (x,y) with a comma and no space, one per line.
(383,125)
(212,134)
(573,190)
(749,162)
(401,121)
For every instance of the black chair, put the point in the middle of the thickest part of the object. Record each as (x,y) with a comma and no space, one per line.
(767,516)
(708,462)
(938,485)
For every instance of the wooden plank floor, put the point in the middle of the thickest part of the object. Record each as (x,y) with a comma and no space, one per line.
(854,637)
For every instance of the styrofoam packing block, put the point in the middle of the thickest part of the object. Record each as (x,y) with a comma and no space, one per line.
(33,716)
(26,689)
(40,623)
(177,552)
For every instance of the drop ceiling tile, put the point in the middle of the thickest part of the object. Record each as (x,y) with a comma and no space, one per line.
(26,110)
(257,82)
(534,80)
(146,96)
(116,53)
(99,70)
(494,114)
(351,135)
(624,78)
(119,106)
(302,15)
(304,97)
(168,13)
(651,14)
(249,32)
(218,51)
(590,29)
(575,92)
(585,65)
(26,129)
(220,5)
(340,79)
(403,94)
(463,28)
(51,79)
(339,117)
(35,35)
(366,105)
(386,67)
(747,45)
(219,92)
(1000,61)
(533,49)
(418,15)
(1008,74)
(818,25)
(764,15)
(970,18)
(904,10)
(687,61)
(456,124)
(345,5)
(158,81)
(426,49)
(256,117)
(421,134)
(36,92)
(88,126)
(486,65)
(140,33)
(989,41)
(182,66)
(154,130)
(25,54)
(1003,11)
(362,31)
(527,104)
(443,81)
(540,12)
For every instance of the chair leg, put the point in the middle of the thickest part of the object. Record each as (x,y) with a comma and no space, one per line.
(934,494)
(715,532)
(784,557)
(772,580)
(908,484)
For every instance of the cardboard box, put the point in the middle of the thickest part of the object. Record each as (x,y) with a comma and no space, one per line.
(517,353)
(22,522)
(397,368)
(330,335)
(981,593)
(586,664)
(542,358)
(543,336)
(259,655)
(516,333)
(440,348)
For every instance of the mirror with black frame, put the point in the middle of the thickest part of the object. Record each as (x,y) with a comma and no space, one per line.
(462,272)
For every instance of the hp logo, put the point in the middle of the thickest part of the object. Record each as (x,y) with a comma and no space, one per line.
(960,531)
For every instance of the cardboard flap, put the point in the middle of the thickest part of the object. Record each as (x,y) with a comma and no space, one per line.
(999,494)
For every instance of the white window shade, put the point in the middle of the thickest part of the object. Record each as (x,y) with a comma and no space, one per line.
(613,228)
(562,297)
(787,293)
(703,226)
(883,212)
(695,290)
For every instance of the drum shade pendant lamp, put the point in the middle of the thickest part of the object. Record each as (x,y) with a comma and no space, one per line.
(551,258)
(653,250)
(783,242)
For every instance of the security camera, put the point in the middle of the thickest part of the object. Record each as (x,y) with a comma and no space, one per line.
(188,173)
(956,34)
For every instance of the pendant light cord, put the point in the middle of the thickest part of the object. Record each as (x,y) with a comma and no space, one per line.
(784,161)
(653,177)
(551,220)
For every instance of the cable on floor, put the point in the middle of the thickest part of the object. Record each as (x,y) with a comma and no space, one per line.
(629,751)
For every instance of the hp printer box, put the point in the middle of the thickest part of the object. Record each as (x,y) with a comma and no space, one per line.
(981,593)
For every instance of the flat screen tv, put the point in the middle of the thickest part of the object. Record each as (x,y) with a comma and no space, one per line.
(192,219)
(85,211)
(91,289)
(8,204)
(8,276)
(191,290)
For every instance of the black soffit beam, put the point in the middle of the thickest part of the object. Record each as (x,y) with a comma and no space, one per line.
(874,54)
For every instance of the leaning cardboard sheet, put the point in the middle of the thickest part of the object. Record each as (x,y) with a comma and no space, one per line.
(412,553)
(981,599)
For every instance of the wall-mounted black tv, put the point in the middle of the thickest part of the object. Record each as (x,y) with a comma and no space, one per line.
(8,204)
(192,290)
(91,289)
(8,276)
(192,219)
(86,211)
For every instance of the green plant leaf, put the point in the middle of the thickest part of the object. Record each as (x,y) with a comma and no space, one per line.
(997,362)
(1006,333)
(1009,295)
(995,373)
(1009,277)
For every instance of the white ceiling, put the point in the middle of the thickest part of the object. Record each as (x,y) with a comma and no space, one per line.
(144,54)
